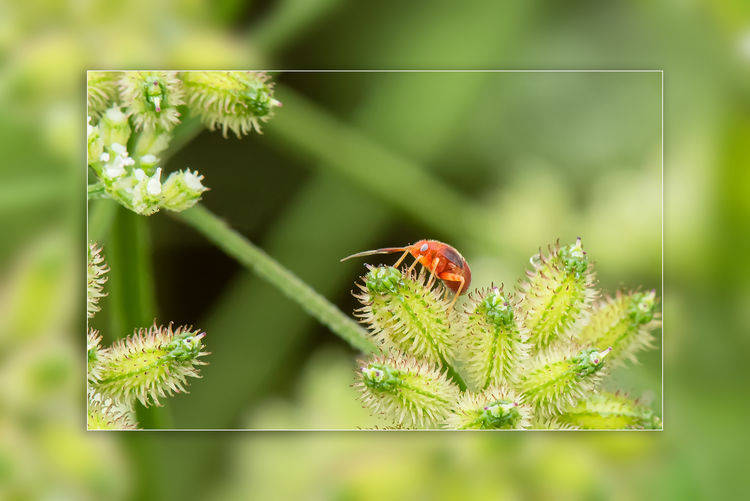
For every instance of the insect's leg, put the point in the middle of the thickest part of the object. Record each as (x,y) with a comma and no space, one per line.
(411,268)
(401,258)
(453,277)
(432,272)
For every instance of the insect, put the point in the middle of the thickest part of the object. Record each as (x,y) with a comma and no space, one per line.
(443,261)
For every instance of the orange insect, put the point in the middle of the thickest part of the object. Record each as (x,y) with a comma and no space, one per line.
(441,259)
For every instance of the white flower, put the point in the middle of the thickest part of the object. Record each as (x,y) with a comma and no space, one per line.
(154,185)
(104,157)
(119,149)
(114,169)
(193,181)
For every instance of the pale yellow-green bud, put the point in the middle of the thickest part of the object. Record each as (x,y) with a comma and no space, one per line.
(114,127)
(182,190)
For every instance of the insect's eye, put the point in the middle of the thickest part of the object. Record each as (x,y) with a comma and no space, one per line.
(423,248)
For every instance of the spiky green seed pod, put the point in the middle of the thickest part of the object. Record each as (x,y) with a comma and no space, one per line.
(548,423)
(150,364)
(406,391)
(557,379)
(403,313)
(93,355)
(151,98)
(557,294)
(230,100)
(624,322)
(182,190)
(497,408)
(101,90)
(96,271)
(108,416)
(610,411)
(491,343)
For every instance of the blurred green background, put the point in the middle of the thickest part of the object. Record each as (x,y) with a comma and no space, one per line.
(496,164)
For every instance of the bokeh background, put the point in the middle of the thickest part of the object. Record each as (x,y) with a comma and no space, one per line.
(495,163)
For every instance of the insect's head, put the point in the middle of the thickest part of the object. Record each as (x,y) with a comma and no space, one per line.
(419,248)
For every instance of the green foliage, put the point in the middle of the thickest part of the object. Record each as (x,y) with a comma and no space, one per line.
(535,361)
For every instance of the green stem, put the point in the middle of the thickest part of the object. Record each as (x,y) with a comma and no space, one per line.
(237,246)
(96,190)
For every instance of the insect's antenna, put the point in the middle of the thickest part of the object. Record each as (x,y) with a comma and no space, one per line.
(384,250)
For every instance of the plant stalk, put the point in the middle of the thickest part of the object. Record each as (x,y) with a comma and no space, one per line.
(251,256)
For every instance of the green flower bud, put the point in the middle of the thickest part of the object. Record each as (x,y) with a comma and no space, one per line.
(114,127)
(182,190)
(95,143)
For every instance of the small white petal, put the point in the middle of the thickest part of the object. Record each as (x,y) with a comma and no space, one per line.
(119,149)
(139,174)
(193,181)
(104,157)
(154,185)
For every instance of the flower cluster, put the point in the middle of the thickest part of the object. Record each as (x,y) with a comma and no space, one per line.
(130,121)
(146,366)
(505,361)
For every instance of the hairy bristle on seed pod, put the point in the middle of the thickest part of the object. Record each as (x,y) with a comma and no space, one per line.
(402,313)
(108,416)
(496,408)
(150,364)
(610,411)
(557,294)
(96,271)
(93,355)
(557,379)
(405,391)
(491,343)
(230,100)
(625,323)
(151,98)
(101,90)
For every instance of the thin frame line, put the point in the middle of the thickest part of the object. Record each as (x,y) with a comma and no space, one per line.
(661,114)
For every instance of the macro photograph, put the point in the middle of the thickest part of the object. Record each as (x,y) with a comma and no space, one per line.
(327,250)
(549,340)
